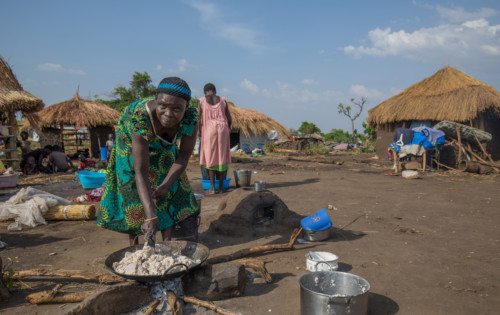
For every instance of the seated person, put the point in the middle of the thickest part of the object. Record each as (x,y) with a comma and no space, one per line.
(59,161)
(30,167)
(84,162)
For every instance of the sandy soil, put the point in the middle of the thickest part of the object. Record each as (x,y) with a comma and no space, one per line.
(426,246)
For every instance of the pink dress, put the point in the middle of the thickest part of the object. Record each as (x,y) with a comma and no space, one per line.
(215,150)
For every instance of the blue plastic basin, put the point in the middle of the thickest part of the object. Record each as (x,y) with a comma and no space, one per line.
(206,183)
(91,180)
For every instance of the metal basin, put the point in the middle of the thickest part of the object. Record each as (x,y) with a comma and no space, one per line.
(333,292)
(316,235)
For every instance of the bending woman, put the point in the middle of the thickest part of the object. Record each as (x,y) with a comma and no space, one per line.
(146,188)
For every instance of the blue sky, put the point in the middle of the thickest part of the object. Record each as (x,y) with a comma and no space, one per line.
(292,60)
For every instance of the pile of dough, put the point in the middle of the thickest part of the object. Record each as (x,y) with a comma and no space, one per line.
(150,262)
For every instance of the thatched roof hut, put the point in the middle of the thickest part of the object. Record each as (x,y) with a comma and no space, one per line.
(12,96)
(449,94)
(96,117)
(250,127)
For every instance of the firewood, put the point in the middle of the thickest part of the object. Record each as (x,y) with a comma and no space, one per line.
(174,303)
(101,277)
(54,296)
(151,309)
(258,266)
(311,159)
(257,249)
(208,305)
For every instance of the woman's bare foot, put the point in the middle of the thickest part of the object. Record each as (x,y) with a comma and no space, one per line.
(211,192)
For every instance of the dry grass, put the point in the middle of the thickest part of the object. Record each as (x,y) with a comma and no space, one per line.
(80,113)
(449,94)
(12,95)
(249,121)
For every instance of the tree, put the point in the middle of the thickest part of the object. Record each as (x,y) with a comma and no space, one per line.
(308,128)
(337,135)
(293,132)
(140,87)
(346,110)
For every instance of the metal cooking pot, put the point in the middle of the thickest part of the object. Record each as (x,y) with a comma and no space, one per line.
(195,251)
(316,235)
(333,292)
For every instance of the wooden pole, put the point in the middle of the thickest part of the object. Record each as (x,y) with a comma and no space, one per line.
(101,277)
(11,142)
(459,138)
(211,306)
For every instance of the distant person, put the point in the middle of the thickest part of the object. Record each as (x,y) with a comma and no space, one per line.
(109,144)
(85,162)
(41,158)
(25,143)
(59,161)
(31,167)
(215,125)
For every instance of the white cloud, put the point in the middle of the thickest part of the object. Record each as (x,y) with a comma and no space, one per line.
(225,91)
(309,82)
(248,85)
(321,52)
(460,15)
(467,41)
(182,65)
(358,90)
(54,67)
(213,20)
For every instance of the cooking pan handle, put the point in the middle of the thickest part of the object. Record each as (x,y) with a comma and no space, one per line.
(173,266)
(322,262)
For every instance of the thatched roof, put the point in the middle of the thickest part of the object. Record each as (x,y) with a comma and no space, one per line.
(449,94)
(12,95)
(249,121)
(80,113)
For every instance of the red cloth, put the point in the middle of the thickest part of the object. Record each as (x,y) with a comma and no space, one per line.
(87,163)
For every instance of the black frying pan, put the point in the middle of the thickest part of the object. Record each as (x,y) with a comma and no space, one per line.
(195,251)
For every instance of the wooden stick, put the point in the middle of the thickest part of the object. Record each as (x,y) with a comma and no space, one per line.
(151,309)
(101,277)
(258,266)
(482,161)
(257,249)
(356,219)
(440,164)
(174,303)
(53,297)
(210,306)
(459,137)
(482,148)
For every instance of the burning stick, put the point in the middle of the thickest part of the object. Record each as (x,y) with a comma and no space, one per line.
(174,303)
(257,249)
(152,307)
(208,305)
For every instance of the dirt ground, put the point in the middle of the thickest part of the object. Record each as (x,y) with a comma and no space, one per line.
(426,246)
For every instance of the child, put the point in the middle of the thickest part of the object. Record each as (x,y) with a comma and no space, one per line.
(84,162)
(109,144)
(30,168)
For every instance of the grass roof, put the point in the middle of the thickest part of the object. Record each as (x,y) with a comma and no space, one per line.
(449,94)
(80,113)
(249,121)
(12,95)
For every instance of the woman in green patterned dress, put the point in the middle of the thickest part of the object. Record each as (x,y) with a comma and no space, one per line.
(146,187)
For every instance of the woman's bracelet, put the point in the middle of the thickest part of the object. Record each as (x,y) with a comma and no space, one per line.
(151,219)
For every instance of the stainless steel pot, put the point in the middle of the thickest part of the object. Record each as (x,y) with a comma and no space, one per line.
(333,292)
(316,235)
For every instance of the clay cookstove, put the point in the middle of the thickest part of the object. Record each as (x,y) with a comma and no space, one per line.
(246,212)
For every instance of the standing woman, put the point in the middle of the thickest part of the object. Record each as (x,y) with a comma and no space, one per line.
(146,187)
(215,124)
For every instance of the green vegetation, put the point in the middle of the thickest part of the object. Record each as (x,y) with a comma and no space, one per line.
(315,148)
(338,135)
(308,128)
(8,273)
(140,87)
(349,112)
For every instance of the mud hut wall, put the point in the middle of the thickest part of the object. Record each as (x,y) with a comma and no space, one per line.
(385,136)
(98,135)
(50,136)
(491,123)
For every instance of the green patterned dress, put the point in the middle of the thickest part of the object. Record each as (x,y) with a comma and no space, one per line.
(121,208)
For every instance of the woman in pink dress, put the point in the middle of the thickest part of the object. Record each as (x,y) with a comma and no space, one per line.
(215,128)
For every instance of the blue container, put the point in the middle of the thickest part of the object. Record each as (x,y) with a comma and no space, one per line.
(206,183)
(318,221)
(104,153)
(91,180)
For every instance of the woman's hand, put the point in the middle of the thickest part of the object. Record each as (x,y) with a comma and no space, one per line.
(159,193)
(150,227)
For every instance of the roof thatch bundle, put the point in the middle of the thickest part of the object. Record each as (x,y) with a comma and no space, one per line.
(80,113)
(12,95)
(249,121)
(449,94)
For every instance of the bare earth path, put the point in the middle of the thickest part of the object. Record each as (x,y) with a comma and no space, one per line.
(427,246)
